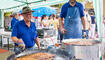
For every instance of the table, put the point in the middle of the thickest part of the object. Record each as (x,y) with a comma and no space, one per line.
(6,35)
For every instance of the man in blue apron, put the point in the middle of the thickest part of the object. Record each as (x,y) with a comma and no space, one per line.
(73,14)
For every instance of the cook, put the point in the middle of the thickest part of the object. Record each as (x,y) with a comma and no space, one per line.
(73,14)
(24,33)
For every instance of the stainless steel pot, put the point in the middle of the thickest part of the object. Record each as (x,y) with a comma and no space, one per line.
(84,52)
(59,54)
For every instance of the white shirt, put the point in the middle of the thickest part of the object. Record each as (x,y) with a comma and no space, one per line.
(88,19)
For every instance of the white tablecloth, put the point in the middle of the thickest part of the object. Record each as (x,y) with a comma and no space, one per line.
(5,35)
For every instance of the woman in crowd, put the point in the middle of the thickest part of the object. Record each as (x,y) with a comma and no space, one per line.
(44,21)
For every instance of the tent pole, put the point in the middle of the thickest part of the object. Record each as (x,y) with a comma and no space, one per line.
(98,7)
(1,18)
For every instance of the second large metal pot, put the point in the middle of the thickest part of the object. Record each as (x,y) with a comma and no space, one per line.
(84,52)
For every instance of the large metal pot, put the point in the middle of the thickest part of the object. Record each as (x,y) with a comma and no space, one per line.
(84,52)
(59,54)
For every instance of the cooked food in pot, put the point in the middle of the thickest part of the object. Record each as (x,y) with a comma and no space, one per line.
(25,58)
(80,43)
(37,56)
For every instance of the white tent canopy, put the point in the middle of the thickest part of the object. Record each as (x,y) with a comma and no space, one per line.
(16,5)
(11,5)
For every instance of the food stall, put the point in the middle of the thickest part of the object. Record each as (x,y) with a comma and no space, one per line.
(72,49)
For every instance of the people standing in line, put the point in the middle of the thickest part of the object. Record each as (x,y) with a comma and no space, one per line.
(50,17)
(14,20)
(73,14)
(51,22)
(88,23)
(93,26)
(44,21)
(56,23)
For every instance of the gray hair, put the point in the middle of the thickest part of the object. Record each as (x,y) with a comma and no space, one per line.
(14,14)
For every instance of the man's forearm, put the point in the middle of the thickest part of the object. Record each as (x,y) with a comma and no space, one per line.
(18,41)
(37,42)
(83,22)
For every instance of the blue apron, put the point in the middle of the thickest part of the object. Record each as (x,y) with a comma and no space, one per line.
(73,24)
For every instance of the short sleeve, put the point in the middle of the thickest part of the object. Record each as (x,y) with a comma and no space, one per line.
(62,14)
(81,10)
